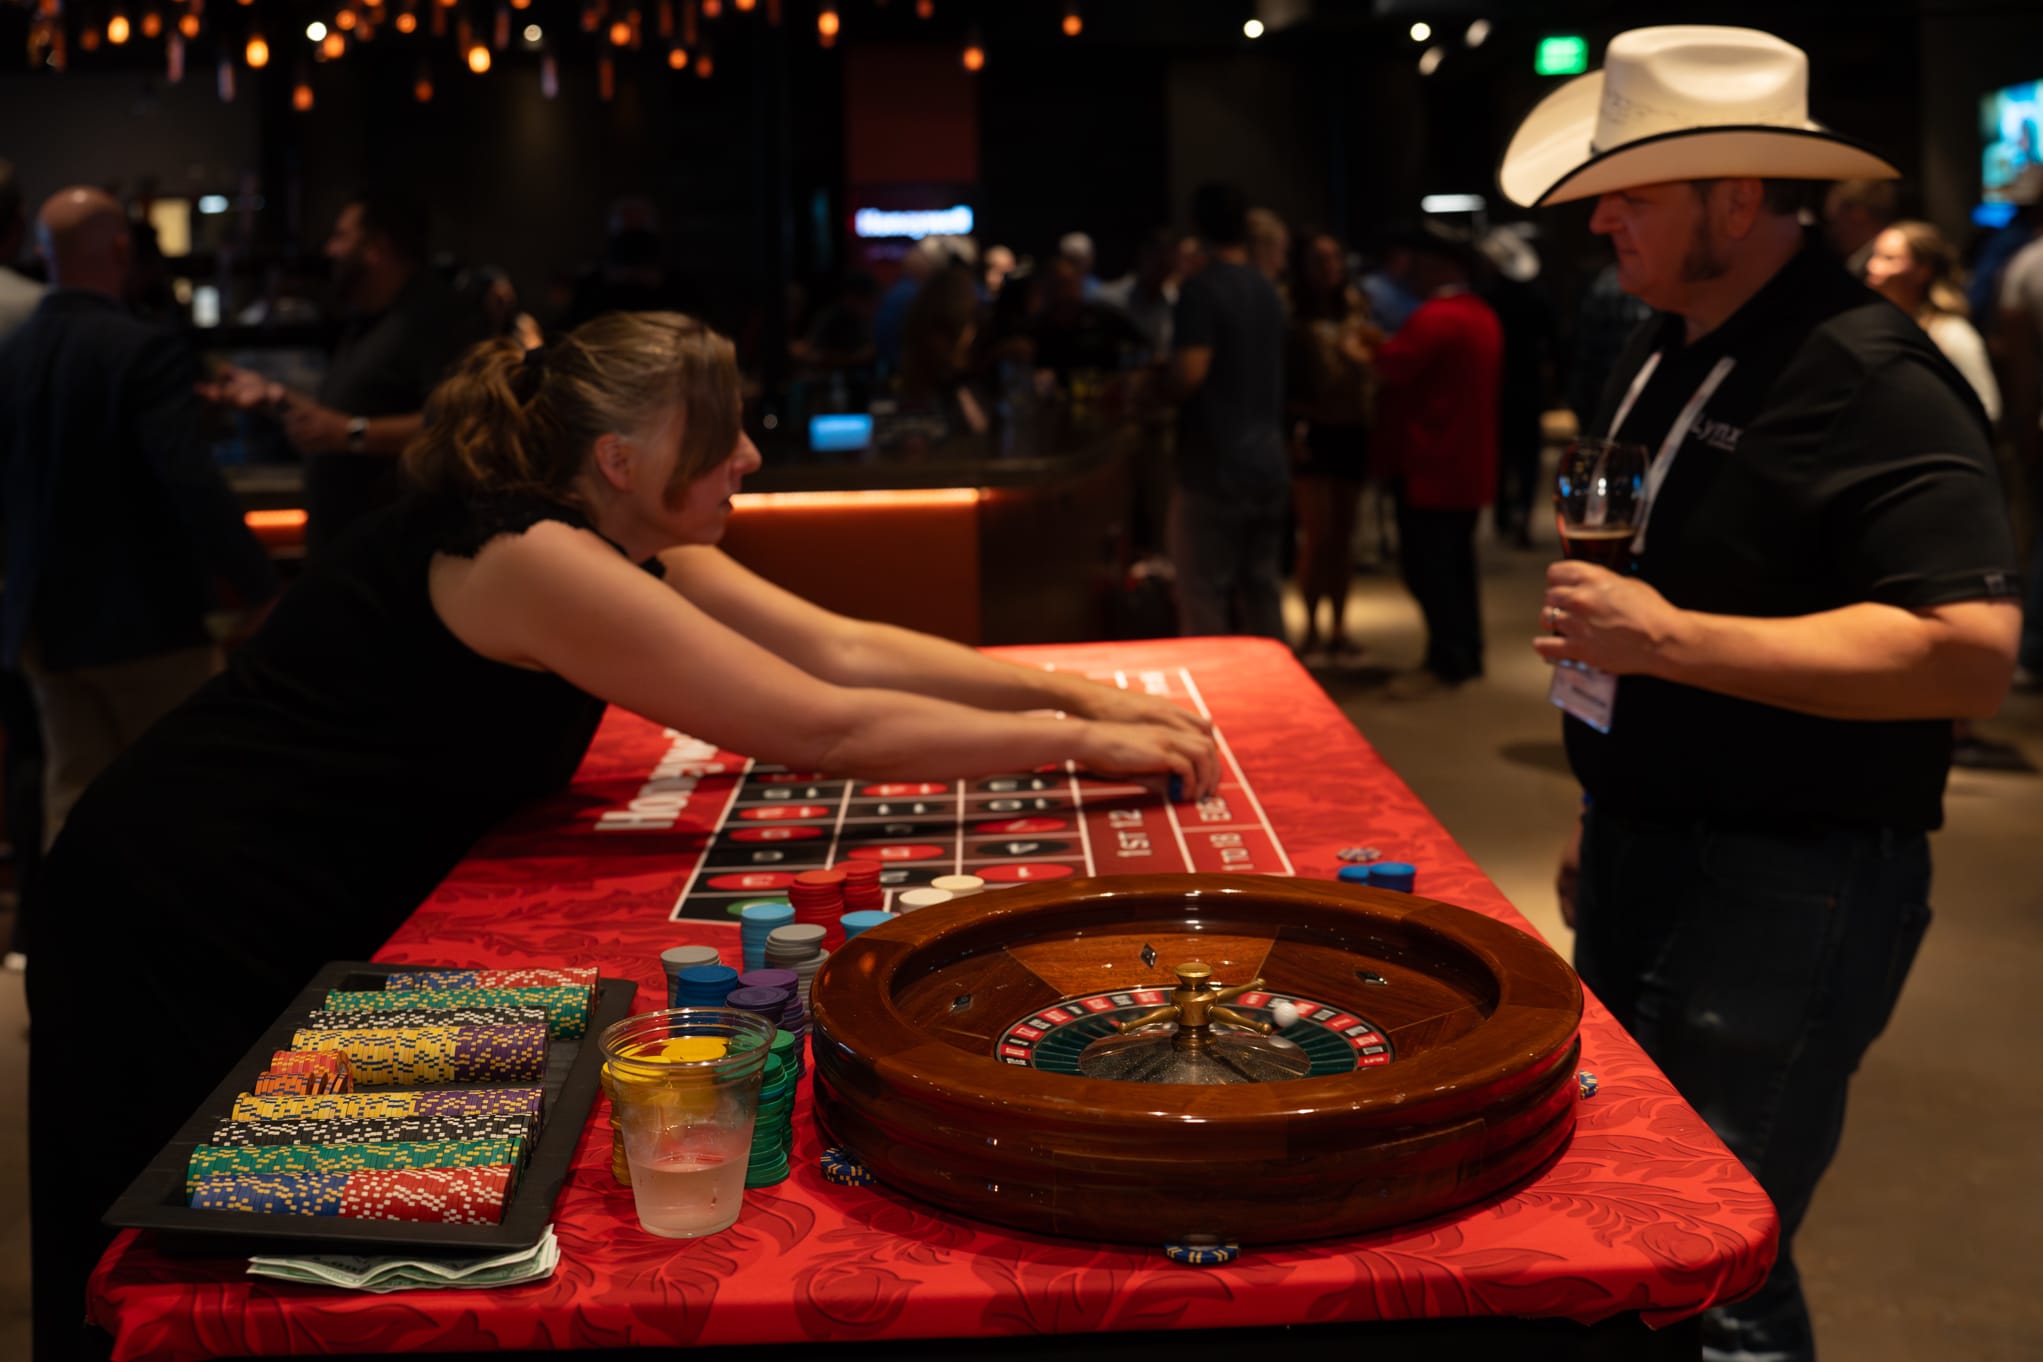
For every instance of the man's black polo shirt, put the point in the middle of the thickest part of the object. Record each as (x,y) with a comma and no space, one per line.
(1841,460)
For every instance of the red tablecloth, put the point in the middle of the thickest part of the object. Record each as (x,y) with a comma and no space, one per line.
(1646,1212)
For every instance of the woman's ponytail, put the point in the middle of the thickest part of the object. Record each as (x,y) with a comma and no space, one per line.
(476,429)
(508,420)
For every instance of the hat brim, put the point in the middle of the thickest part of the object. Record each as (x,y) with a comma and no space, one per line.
(1551,160)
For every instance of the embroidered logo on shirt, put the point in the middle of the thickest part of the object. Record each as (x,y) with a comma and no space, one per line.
(1717,434)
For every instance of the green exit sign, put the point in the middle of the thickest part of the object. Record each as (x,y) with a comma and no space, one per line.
(1565,55)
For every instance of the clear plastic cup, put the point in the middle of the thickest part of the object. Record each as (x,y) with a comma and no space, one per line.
(685,1092)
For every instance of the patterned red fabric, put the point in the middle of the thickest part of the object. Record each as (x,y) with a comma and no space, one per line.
(1646,1211)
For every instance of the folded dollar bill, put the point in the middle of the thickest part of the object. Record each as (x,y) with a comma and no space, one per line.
(353,1273)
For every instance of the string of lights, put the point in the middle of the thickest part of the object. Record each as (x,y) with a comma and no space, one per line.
(256,33)
(478,36)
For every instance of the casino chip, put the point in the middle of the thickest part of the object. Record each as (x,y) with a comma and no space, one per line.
(1202,1252)
(841,1168)
(1359,855)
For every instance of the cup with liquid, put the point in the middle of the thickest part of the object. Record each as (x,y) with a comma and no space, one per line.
(1599,500)
(685,1093)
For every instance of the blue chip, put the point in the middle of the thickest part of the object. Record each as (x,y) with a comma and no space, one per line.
(839,1166)
(1202,1252)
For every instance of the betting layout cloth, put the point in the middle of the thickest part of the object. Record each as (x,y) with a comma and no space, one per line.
(1645,1212)
(753,829)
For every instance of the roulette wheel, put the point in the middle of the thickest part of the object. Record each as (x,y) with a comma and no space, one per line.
(1178,1057)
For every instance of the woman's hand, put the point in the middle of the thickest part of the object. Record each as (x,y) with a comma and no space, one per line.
(1616,624)
(1110,704)
(1120,749)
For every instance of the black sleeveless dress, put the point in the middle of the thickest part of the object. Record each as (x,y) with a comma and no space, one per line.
(294,811)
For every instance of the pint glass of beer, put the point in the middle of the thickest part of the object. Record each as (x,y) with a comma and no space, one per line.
(1599,500)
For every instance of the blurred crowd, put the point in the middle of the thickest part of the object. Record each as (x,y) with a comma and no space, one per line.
(1302,406)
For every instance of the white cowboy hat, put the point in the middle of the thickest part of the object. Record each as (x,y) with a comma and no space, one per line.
(1684,102)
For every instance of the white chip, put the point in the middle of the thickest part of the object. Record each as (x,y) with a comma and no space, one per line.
(958,886)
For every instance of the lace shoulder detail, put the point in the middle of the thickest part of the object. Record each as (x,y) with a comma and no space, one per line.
(473,521)
(469,523)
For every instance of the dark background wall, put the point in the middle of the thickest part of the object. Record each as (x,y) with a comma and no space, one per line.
(1328,122)
(1082,144)
(115,127)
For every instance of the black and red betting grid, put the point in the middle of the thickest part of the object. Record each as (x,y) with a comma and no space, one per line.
(1020,828)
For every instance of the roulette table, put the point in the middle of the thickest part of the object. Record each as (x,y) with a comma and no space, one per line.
(1604,1239)
(1032,1061)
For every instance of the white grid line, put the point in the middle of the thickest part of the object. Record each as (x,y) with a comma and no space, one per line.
(837,829)
(1170,808)
(716,831)
(958,860)
(1240,776)
(1078,818)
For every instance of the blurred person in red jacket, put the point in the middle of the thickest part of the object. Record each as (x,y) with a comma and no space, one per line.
(1437,449)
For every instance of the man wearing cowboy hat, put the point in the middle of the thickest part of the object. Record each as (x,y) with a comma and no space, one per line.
(1824,581)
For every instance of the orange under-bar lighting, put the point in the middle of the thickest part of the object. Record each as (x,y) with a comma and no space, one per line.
(847,500)
(294,519)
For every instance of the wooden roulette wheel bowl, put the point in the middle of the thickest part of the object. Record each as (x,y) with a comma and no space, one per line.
(952,1048)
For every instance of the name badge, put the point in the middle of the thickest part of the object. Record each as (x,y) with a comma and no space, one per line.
(1585,693)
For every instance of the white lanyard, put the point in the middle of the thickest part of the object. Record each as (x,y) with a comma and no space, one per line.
(1631,394)
(1663,462)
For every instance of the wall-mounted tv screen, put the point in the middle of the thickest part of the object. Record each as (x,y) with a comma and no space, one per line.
(2011,126)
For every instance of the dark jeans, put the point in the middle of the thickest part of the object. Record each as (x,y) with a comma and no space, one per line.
(21,790)
(2031,651)
(1519,441)
(1755,968)
(1437,551)
(1228,555)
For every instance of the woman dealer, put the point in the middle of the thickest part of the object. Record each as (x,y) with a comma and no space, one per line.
(448,661)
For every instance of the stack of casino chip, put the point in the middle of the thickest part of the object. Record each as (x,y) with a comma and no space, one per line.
(445,1196)
(427,1016)
(704,986)
(773,1129)
(492,978)
(756,922)
(677,958)
(818,899)
(516,1128)
(794,1017)
(527,1102)
(307,1142)
(798,947)
(406,1056)
(862,892)
(213,1163)
(770,1003)
(567,1006)
(914,900)
(324,1069)
(788,1049)
(856,923)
